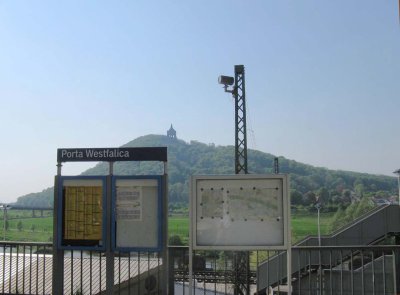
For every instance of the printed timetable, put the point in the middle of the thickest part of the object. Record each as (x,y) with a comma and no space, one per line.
(83,213)
(129,203)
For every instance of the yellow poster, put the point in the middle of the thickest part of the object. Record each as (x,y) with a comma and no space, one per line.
(83,213)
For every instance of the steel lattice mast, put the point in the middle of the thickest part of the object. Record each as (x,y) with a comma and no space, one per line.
(242,267)
(241,259)
(239,94)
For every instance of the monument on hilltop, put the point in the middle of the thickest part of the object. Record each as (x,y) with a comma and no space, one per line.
(171,133)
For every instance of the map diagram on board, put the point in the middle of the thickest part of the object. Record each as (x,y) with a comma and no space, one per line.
(229,209)
(211,203)
(241,204)
(254,204)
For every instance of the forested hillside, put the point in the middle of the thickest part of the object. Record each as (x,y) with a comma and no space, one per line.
(194,158)
(42,199)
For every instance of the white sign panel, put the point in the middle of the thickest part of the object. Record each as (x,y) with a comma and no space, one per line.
(137,213)
(243,212)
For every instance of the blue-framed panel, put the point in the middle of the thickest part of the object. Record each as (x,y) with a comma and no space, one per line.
(137,213)
(81,216)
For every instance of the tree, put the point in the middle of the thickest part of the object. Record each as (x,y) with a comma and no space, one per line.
(323,195)
(364,206)
(359,189)
(296,197)
(20,226)
(337,220)
(309,198)
(175,241)
(350,213)
(346,195)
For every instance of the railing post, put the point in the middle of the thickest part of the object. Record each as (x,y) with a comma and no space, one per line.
(171,275)
(109,253)
(396,253)
(58,254)
(167,286)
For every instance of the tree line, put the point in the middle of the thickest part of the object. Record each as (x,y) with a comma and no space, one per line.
(308,184)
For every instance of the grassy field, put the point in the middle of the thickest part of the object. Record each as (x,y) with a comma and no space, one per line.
(40,229)
(303,224)
(31,230)
(179,226)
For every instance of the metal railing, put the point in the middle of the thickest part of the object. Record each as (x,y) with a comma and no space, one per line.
(26,268)
(214,272)
(335,270)
(347,270)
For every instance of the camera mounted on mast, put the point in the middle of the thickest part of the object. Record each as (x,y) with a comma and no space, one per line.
(227,81)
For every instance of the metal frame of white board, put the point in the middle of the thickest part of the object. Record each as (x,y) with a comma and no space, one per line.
(220,226)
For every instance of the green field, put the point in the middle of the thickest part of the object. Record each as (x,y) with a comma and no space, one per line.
(32,230)
(179,226)
(303,225)
(40,229)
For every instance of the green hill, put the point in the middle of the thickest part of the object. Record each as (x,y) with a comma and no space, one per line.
(42,199)
(196,158)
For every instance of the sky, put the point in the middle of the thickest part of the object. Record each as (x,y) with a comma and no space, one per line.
(322,80)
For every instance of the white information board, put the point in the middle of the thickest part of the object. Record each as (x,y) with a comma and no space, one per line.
(240,212)
(137,217)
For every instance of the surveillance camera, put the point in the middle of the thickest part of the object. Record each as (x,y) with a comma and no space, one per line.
(226,80)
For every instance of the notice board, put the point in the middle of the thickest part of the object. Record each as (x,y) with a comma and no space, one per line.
(239,212)
(82,212)
(137,213)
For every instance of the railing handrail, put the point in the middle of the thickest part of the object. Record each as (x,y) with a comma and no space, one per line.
(358,219)
(19,243)
(378,247)
(348,247)
(346,226)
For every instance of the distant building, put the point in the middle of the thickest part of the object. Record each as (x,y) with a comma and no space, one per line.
(380,202)
(171,133)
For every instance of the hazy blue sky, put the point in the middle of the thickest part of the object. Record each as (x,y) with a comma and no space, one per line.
(322,79)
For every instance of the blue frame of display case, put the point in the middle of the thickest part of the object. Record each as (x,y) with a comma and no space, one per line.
(60,215)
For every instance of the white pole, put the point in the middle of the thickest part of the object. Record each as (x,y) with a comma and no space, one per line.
(318,206)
